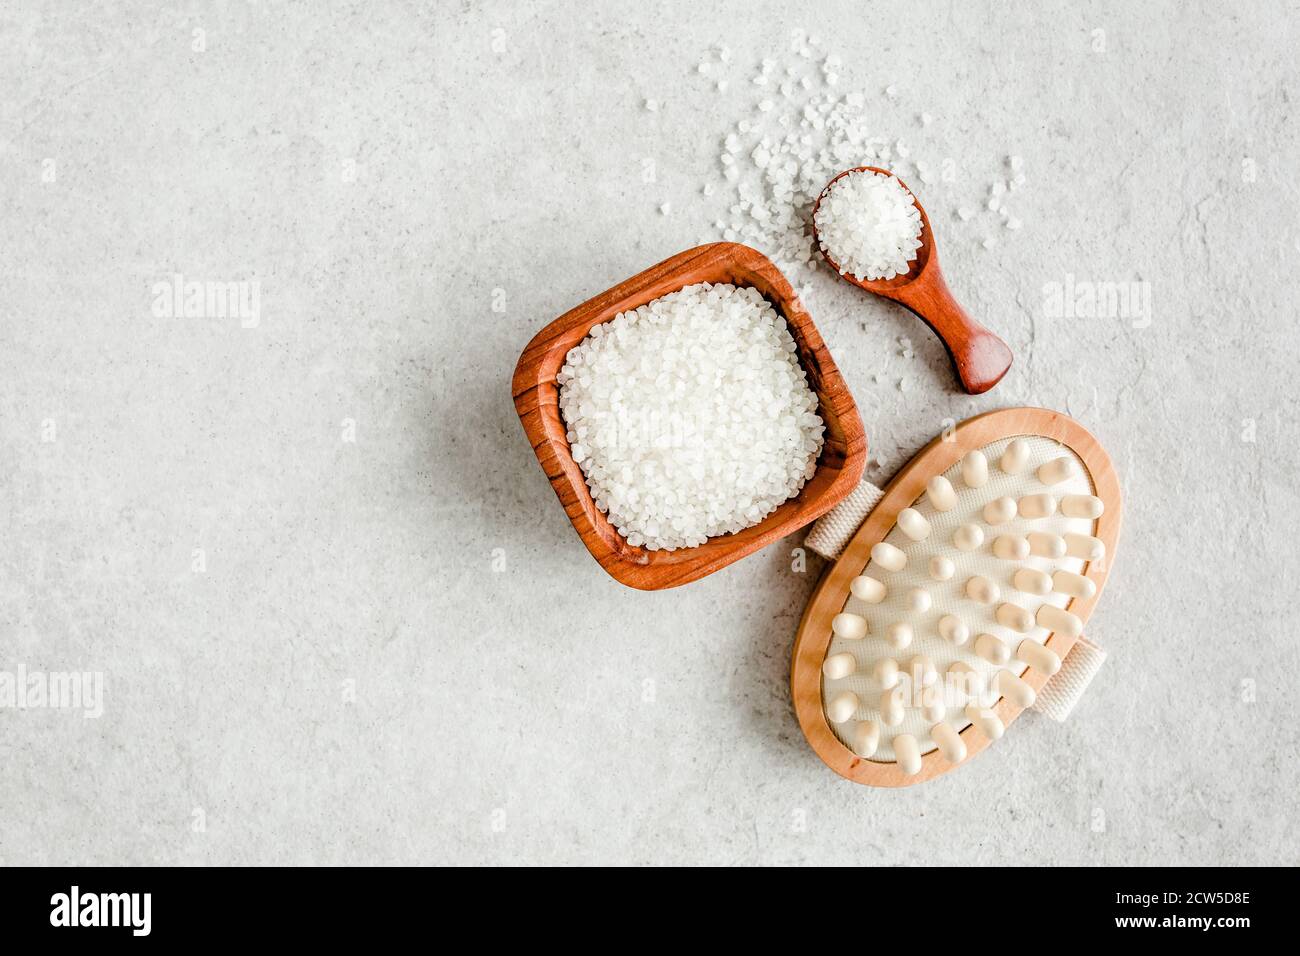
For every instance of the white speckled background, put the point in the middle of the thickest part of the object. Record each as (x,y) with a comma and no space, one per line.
(348,679)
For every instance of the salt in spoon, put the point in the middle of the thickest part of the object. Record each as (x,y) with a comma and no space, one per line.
(979,357)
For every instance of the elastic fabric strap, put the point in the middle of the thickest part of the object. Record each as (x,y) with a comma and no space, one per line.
(836,528)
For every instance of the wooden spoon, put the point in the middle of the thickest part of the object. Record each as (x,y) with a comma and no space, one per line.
(979,357)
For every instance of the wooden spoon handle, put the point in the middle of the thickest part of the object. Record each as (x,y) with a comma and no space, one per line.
(979,356)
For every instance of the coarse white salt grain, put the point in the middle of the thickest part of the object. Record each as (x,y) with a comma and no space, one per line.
(652,105)
(869,225)
(690,416)
(806,139)
(665,208)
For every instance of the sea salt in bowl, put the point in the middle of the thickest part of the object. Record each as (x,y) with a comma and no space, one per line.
(691,416)
(536,393)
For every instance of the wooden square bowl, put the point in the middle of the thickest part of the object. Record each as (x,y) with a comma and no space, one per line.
(839,468)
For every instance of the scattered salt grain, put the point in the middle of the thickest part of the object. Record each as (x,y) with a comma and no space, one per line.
(870,225)
(989,242)
(652,105)
(815,134)
(690,416)
(665,208)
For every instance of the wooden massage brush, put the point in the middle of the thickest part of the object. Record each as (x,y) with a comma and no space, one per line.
(954,604)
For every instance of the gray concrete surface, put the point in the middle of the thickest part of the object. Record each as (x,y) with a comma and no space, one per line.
(338,614)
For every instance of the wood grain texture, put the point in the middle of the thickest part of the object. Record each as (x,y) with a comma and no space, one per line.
(979,357)
(814,634)
(536,397)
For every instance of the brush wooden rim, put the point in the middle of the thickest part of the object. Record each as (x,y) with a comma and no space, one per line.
(536,397)
(814,634)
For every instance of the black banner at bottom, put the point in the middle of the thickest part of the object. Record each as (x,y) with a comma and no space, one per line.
(134,906)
